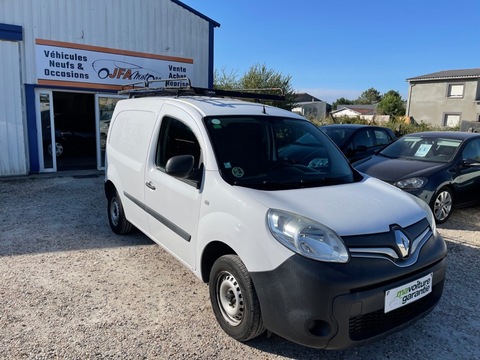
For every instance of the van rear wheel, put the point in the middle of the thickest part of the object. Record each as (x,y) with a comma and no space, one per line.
(116,214)
(234,300)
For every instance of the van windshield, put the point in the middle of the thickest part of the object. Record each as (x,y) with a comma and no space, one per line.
(273,153)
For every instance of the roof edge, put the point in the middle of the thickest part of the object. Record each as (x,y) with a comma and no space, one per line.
(448,74)
(192,10)
(443,78)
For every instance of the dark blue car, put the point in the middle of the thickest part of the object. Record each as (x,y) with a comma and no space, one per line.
(359,141)
(442,168)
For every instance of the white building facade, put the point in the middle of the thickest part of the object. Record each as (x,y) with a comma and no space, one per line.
(63,62)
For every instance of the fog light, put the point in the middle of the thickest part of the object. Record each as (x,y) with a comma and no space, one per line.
(319,328)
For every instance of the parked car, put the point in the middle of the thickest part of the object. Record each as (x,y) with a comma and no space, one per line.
(441,168)
(260,204)
(359,141)
(73,135)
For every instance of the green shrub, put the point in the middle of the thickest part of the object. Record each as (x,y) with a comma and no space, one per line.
(399,125)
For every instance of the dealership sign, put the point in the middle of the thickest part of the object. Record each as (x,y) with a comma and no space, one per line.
(60,63)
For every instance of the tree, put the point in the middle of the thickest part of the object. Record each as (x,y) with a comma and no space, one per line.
(258,77)
(342,101)
(370,96)
(224,80)
(391,104)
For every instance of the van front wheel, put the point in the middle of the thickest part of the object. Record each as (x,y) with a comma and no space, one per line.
(116,215)
(234,300)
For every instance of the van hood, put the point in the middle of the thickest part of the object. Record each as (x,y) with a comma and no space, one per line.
(366,207)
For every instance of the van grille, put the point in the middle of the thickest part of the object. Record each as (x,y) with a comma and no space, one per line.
(368,325)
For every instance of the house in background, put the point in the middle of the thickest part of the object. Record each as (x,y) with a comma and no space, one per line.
(364,112)
(446,98)
(311,107)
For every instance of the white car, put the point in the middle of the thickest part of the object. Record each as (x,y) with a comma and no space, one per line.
(261,205)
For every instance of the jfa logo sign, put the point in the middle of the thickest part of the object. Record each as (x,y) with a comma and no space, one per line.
(114,69)
(77,63)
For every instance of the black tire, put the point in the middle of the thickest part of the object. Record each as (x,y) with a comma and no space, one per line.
(234,300)
(442,205)
(116,215)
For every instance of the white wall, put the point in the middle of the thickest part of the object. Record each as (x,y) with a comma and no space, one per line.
(13,159)
(150,26)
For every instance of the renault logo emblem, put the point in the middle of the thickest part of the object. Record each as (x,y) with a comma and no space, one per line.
(403,243)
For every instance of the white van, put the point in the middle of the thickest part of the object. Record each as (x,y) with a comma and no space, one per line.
(261,205)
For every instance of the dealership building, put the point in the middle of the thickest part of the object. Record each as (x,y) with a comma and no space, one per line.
(64,61)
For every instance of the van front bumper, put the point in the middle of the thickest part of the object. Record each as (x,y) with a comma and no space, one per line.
(335,306)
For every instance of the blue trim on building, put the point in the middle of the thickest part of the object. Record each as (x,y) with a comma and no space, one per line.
(211,53)
(11,32)
(77,89)
(213,22)
(32,128)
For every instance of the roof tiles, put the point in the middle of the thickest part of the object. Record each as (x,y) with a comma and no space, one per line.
(449,74)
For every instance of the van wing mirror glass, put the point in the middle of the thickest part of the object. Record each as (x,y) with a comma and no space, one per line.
(180,166)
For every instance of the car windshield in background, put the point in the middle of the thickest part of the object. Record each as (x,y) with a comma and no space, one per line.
(273,153)
(422,148)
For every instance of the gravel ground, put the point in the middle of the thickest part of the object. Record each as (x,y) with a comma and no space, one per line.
(71,289)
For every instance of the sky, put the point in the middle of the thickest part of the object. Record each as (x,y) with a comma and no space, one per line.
(334,49)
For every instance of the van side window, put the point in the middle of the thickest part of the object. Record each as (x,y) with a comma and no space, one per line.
(176,138)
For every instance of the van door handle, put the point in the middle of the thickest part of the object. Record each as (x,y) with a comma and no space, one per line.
(150,185)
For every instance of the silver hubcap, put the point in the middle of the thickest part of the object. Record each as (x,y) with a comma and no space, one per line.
(230,299)
(114,211)
(58,149)
(442,205)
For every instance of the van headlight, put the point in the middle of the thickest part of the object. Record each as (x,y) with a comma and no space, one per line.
(307,237)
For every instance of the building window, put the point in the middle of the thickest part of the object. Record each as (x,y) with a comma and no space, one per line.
(451,120)
(455,90)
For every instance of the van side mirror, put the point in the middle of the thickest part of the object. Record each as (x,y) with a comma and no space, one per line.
(180,166)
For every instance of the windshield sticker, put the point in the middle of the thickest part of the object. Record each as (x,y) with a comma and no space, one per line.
(227,165)
(423,150)
(217,124)
(318,163)
(237,172)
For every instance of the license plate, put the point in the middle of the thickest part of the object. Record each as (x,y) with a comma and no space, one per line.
(408,293)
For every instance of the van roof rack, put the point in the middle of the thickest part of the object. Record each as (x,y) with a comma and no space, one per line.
(182,87)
